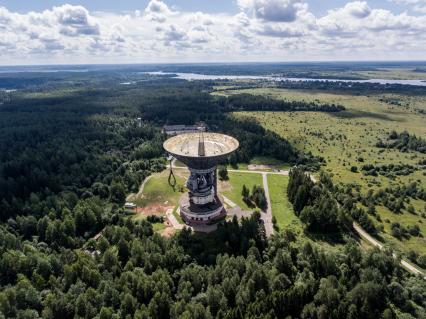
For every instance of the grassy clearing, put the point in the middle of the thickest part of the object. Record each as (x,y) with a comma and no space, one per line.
(158,191)
(281,207)
(138,217)
(233,187)
(348,139)
(158,227)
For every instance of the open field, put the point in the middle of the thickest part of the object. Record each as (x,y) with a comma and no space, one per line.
(345,137)
(281,207)
(233,187)
(158,191)
(393,73)
(348,138)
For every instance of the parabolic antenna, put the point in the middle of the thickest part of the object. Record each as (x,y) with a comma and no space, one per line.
(201,150)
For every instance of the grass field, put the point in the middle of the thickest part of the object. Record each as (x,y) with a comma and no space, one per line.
(348,139)
(281,207)
(233,187)
(343,138)
(158,191)
(418,244)
(158,227)
(393,73)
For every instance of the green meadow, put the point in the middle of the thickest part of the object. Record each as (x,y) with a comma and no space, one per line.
(233,187)
(282,209)
(349,138)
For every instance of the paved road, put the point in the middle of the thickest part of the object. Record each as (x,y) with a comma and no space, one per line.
(267,215)
(405,264)
(228,202)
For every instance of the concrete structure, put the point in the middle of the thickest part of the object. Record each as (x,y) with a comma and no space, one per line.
(130,205)
(201,152)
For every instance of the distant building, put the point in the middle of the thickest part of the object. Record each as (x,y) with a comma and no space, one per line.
(129,205)
(180,129)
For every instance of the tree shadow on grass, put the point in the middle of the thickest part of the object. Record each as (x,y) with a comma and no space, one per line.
(352,114)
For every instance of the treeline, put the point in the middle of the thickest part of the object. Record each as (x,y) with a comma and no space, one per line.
(188,103)
(403,142)
(324,207)
(313,203)
(389,170)
(130,272)
(251,102)
(353,87)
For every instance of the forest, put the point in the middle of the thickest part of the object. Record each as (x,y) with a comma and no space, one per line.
(250,102)
(70,154)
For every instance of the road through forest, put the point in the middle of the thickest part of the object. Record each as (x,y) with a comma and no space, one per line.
(267,216)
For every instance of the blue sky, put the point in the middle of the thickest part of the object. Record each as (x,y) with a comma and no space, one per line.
(138,31)
(211,6)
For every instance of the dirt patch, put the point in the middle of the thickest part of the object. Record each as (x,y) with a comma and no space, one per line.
(168,232)
(224,186)
(255,167)
(154,209)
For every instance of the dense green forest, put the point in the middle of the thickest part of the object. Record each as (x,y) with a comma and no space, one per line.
(70,152)
(249,102)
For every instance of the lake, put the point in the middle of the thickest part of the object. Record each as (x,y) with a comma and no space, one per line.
(195,76)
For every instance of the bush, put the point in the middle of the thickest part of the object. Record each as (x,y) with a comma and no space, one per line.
(422,261)
(414,230)
(153,219)
(223,173)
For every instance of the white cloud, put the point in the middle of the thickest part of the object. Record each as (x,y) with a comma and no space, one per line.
(157,11)
(358,9)
(273,10)
(262,30)
(75,20)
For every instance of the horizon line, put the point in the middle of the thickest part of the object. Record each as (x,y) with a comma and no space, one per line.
(217,62)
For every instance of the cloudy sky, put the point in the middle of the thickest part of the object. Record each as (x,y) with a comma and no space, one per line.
(144,31)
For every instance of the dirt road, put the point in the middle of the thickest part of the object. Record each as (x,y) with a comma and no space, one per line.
(405,264)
